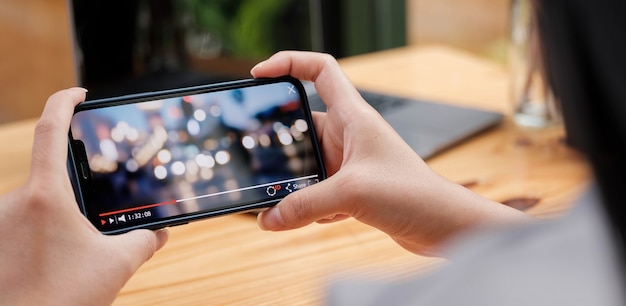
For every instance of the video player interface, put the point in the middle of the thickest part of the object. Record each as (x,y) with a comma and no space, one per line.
(161,159)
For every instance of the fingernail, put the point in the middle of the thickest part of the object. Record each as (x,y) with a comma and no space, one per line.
(82,88)
(257,66)
(162,237)
(271,220)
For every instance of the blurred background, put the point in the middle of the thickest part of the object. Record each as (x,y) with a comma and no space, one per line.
(120,46)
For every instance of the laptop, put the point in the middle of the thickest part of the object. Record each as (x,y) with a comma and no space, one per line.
(123,56)
(429,127)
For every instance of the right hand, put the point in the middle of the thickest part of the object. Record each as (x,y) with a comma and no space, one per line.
(374,176)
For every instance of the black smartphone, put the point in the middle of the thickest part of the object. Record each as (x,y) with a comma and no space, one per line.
(166,158)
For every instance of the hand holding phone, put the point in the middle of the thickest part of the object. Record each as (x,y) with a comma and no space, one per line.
(165,158)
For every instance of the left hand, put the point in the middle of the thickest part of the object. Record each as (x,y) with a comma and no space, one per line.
(51,254)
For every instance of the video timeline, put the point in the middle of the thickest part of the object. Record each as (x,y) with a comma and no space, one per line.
(272,190)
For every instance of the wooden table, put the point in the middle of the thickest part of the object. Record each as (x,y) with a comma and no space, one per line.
(228,260)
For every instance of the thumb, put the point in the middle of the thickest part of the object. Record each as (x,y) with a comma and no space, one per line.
(303,207)
(142,244)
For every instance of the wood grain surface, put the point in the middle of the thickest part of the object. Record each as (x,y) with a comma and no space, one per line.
(229,261)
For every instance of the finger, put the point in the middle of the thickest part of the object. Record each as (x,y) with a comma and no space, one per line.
(140,245)
(308,205)
(332,149)
(51,131)
(331,83)
(319,118)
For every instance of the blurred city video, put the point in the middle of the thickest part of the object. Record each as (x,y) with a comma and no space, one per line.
(196,148)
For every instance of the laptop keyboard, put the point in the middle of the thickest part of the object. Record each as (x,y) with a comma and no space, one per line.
(378,101)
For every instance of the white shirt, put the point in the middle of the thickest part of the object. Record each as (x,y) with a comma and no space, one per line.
(568,261)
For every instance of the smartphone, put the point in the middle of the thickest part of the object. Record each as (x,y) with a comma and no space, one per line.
(166,158)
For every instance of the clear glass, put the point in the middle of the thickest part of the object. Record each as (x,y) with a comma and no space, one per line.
(534,104)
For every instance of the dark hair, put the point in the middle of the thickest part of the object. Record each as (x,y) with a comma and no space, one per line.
(584,50)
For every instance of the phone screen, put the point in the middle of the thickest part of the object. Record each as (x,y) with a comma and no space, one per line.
(164,159)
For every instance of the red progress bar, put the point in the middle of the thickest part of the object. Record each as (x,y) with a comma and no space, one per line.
(137,208)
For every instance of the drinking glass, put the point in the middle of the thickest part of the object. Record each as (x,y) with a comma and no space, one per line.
(534,104)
